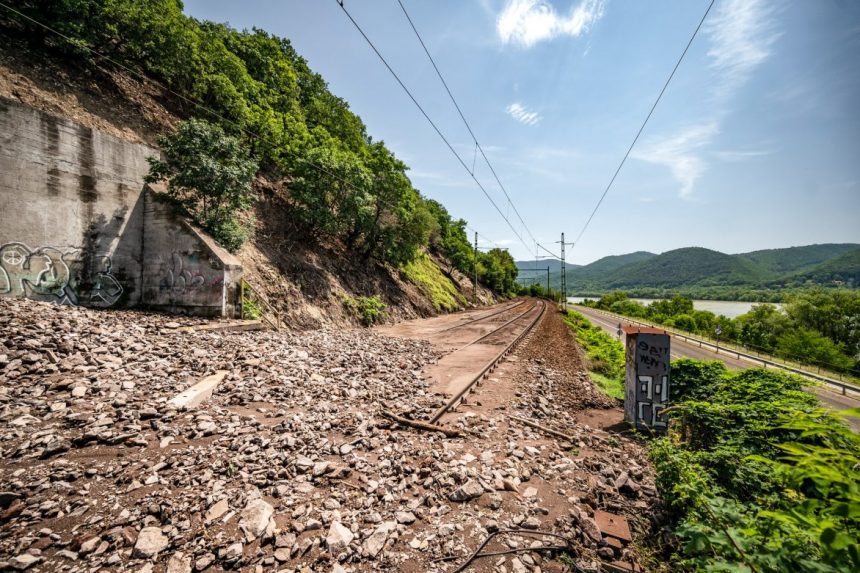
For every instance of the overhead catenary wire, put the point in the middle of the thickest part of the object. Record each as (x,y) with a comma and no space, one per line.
(143,77)
(478,146)
(644,123)
(431,122)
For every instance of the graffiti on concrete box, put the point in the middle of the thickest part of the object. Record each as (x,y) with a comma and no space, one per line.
(56,275)
(184,273)
(647,385)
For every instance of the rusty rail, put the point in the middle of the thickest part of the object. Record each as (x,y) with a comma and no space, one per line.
(455,401)
(485,317)
(245,287)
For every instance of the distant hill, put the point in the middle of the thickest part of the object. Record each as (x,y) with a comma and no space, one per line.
(700,270)
(843,270)
(688,266)
(609,264)
(797,259)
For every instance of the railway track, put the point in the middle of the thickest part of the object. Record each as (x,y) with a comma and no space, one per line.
(526,321)
(483,317)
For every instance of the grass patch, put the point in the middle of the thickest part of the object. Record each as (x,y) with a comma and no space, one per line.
(427,276)
(612,387)
(605,354)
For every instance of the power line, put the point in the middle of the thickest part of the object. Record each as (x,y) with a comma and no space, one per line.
(430,121)
(463,117)
(484,237)
(635,139)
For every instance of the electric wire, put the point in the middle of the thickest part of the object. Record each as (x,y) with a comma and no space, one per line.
(465,121)
(642,128)
(430,121)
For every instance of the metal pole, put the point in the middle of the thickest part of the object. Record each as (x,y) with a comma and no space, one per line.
(476,266)
(563,277)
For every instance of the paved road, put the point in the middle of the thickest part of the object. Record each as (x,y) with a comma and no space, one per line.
(681,348)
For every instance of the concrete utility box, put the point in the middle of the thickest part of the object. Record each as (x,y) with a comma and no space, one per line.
(646,389)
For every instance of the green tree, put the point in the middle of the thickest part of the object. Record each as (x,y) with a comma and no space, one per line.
(209,174)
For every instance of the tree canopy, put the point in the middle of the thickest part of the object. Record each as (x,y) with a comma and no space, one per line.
(255,87)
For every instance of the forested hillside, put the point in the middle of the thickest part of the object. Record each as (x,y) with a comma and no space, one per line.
(300,166)
(703,273)
(797,259)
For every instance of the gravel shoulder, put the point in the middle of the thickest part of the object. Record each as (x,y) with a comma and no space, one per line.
(289,466)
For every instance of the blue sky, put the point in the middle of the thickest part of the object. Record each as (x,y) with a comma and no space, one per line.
(756,143)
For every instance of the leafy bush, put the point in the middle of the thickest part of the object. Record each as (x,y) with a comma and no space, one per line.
(605,354)
(371,309)
(209,174)
(368,309)
(757,478)
(691,379)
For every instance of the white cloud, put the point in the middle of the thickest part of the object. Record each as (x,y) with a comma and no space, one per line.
(527,22)
(678,154)
(740,155)
(741,35)
(522,114)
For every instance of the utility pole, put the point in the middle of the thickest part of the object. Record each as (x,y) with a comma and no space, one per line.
(563,274)
(476,267)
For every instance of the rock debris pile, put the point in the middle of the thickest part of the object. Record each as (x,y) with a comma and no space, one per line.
(288,467)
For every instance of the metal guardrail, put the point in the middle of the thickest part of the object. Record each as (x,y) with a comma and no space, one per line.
(245,288)
(765,362)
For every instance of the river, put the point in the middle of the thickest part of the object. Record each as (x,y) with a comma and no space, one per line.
(728,308)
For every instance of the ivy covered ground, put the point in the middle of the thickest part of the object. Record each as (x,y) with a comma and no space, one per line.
(756,476)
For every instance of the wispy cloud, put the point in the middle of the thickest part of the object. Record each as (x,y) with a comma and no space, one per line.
(522,114)
(678,153)
(740,154)
(527,22)
(741,35)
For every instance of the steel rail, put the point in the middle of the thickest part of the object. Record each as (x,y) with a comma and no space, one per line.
(495,330)
(480,318)
(458,398)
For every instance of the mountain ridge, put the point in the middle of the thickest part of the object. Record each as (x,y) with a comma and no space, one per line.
(698,268)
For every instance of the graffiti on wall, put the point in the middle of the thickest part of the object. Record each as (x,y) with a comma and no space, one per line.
(56,275)
(184,273)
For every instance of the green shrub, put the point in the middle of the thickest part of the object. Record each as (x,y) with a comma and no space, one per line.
(209,174)
(604,352)
(756,476)
(368,309)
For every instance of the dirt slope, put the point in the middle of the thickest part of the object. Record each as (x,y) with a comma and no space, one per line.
(308,283)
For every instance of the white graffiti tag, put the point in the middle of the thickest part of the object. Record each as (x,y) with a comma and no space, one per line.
(53,275)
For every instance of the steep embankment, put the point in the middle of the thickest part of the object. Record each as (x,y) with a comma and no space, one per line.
(310,282)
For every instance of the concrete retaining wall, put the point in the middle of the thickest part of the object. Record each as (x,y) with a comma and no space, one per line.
(73,227)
